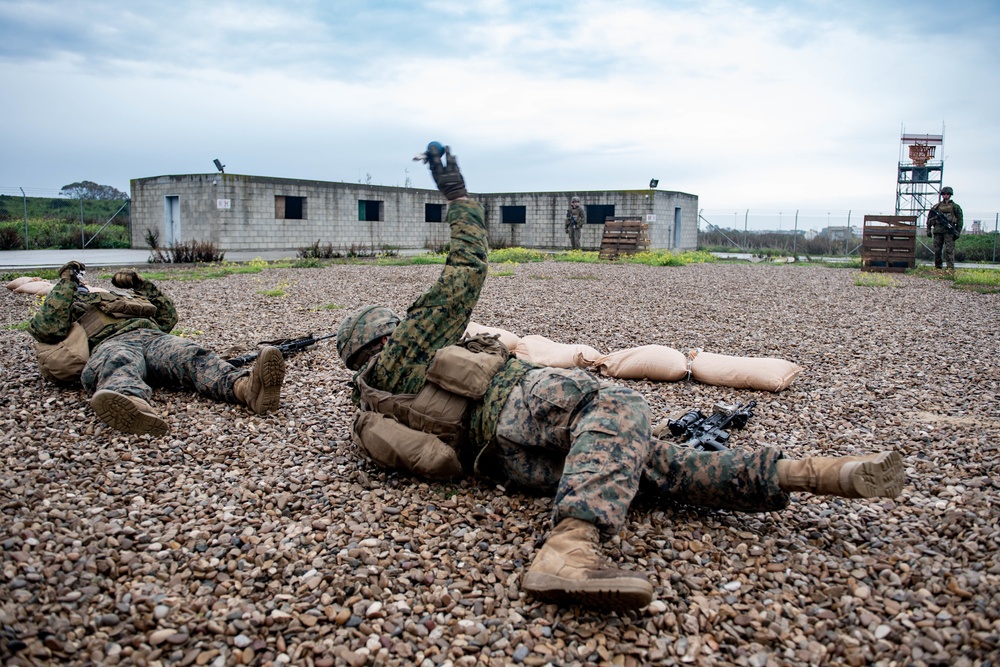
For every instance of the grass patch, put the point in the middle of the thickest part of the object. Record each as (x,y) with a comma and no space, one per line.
(503,268)
(186,332)
(516,255)
(873,279)
(580,256)
(328,306)
(985,281)
(277,291)
(667,258)
(586,276)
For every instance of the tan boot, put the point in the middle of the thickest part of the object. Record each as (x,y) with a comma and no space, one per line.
(875,475)
(129,414)
(569,570)
(261,390)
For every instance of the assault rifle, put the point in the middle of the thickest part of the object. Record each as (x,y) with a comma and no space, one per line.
(287,346)
(709,434)
(939,218)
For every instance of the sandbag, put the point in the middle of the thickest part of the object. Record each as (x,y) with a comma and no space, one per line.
(763,373)
(541,350)
(647,362)
(509,339)
(36,287)
(17,282)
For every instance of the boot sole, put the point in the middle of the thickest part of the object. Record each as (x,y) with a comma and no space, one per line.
(881,477)
(614,594)
(121,414)
(272,373)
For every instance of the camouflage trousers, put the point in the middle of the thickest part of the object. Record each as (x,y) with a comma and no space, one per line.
(130,362)
(574,236)
(944,250)
(561,431)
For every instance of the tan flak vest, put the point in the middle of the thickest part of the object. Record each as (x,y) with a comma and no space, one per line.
(64,361)
(424,432)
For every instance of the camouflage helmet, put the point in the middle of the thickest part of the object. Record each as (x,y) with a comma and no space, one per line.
(362,327)
(574,199)
(946,190)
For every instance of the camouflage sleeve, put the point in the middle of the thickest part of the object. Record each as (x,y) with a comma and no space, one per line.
(166,313)
(440,315)
(959,217)
(53,320)
(583,215)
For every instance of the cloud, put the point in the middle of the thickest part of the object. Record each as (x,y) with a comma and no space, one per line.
(743,104)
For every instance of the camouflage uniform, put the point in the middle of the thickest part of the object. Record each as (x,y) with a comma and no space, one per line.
(128,354)
(944,242)
(558,430)
(576,218)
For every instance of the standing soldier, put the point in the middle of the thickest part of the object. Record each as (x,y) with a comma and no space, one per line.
(576,218)
(945,222)
(442,406)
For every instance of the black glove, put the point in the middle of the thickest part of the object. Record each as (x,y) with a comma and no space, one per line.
(72,271)
(127,279)
(446,175)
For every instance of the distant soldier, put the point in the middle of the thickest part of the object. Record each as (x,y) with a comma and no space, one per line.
(118,344)
(945,222)
(576,218)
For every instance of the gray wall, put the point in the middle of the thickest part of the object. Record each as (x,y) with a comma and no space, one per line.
(331,214)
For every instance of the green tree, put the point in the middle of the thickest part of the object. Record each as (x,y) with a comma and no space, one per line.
(91,190)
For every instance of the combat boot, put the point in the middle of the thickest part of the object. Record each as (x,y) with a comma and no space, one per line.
(875,475)
(569,570)
(261,390)
(129,414)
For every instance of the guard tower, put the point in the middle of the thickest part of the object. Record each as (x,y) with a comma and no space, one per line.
(919,178)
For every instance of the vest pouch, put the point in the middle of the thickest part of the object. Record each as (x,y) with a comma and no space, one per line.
(125,306)
(392,445)
(64,361)
(464,372)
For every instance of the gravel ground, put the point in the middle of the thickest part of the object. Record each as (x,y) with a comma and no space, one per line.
(238,539)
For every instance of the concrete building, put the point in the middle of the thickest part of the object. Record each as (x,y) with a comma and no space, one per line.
(247,213)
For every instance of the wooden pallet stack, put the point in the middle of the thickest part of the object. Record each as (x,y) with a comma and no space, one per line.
(889,243)
(623,235)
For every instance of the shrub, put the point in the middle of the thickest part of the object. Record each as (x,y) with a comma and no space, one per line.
(10,238)
(189,252)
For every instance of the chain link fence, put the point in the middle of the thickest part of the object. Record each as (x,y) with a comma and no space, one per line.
(829,233)
(34,218)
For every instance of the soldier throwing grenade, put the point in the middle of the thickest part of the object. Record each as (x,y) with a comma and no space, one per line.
(576,218)
(441,406)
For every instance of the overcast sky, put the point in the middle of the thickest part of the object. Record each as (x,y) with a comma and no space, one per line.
(760,105)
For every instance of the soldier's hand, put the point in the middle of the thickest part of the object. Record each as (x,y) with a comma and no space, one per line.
(127,279)
(446,174)
(72,271)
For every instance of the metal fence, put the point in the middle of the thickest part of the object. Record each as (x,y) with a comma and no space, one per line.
(823,233)
(34,218)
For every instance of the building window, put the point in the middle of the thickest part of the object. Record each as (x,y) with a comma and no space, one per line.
(289,208)
(597,213)
(513,215)
(433,212)
(369,210)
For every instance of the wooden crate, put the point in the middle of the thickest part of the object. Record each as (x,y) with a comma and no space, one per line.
(623,235)
(889,243)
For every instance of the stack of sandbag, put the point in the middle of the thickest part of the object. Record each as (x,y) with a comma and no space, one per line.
(763,373)
(510,340)
(541,350)
(38,286)
(30,285)
(647,362)
(652,362)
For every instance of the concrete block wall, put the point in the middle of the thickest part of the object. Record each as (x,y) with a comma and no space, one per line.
(331,214)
